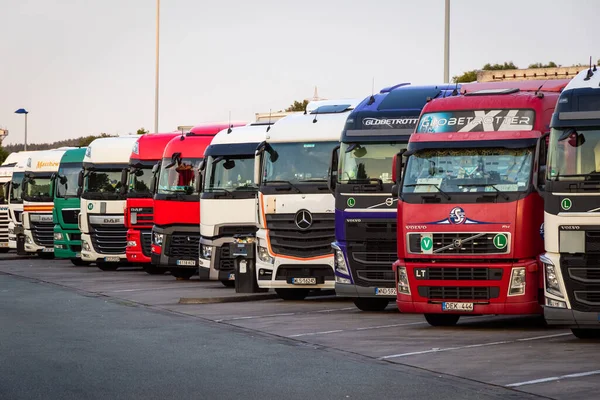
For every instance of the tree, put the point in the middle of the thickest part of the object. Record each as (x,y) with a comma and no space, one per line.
(471,76)
(3,155)
(297,106)
(499,67)
(141,131)
(551,64)
(86,140)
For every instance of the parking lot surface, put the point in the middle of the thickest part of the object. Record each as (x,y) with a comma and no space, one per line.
(516,353)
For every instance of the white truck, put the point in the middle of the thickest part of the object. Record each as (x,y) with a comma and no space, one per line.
(101,219)
(15,163)
(228,201)
(296,209)
(38,225)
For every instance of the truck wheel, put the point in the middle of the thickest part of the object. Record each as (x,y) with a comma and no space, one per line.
(183,273)
(442,319)
(46,256)
(107,266)
(292,294)
(586,333)
(78,262)
(370,304)
(154,270)
(227,283)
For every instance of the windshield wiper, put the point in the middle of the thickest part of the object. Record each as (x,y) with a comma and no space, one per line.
(222,190)
(288,182)
(430,184)
(492,185)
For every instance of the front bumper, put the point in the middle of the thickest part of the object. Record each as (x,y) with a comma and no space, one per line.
(32,247)
(221,265)
(166,258)
(67,248)
(135,253)
(354,291)
(571,318)
(279,274)
(91,255)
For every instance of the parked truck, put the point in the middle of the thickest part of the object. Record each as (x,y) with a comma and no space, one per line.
(468,216)
(296,208)
(67,236)
(101,219)
(176,231)
(14,166)
(361,179)
(571,190)
(139,208)
(228,200)
(38,202)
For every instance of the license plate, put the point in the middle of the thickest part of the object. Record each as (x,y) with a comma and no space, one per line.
(385,291)
(47,250)
(231,277)
(112,259)
(449,306)
(4,244)
(187,262)
(304,281)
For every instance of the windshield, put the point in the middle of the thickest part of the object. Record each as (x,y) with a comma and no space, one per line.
(16,188)
(139,182)
(298,162)
(367,162)
(37,188)
(468,170)
(230,173)
(103,181)
(66,181)
(574,154)
(180,177)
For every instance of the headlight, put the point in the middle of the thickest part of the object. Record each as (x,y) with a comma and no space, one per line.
(403,286)
(28,240)
(517,282)
(157,238)
(11,231)
(263,255)
(552,284)
(58,236)
(85,246)
(339,261)
(206,252)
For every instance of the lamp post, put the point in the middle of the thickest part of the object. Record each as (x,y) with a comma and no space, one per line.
(157,62)
(447,42)
(24,111)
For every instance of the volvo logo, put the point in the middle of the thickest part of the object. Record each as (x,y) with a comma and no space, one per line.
(457,243)
(303,219)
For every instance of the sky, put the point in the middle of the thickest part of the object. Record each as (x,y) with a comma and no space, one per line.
(82,67)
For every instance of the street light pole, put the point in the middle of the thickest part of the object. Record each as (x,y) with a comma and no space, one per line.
(447,42)
(157,62)
(24,111)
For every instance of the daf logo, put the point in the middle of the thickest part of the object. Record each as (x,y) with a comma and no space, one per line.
(303,219)
(111,220)
(457,243)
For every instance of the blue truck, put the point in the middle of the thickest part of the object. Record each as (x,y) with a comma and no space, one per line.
(365,203)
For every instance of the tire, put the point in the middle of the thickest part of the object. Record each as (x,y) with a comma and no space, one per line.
(154,270)
(78,262)
(228,283)
(4,250)
(371,304)
(104,266)
(586,333)
(292,294)
(442,319)
(183,273)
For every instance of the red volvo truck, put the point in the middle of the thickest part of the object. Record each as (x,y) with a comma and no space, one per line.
(469,218)
(176,231)
(139,208)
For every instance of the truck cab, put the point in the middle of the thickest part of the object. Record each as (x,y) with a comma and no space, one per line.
(296,208)
(38,201)
(67,236)
(101,219)
(176,231)
(139,208)
(571,190)
(15,207)
(468,214)
(228,201)
(361,179)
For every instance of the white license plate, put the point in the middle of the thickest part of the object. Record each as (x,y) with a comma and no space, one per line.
(47,250)
(449,306)
(112,259)
(385,291)
(77,255)
(186,262)
(231,277)
(4,244)
(304,281)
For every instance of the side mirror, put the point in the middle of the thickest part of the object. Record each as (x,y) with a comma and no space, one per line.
(80,178)
(202,165)
(257,168)
(539,164)
(333,169)
(199,181)
(124,176)
(155,168)
(79,191)
(53,176)
(153,179)
(398,166)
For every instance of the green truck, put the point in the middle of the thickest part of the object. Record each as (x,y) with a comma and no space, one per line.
(65,214)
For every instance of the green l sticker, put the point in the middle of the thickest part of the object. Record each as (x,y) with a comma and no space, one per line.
(500,241)
(566,204)
(90,206)
(351,202)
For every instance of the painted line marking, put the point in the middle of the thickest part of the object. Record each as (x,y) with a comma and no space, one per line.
(141,289)
(555,378)
(472,346)
(282,314)
(355,329)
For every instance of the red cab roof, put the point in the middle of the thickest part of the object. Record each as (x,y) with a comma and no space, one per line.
(151,146)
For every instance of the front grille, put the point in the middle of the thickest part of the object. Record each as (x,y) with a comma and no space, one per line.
(319,271)
(459,243)
(108,239)
(458,292)
(183,245)
(223,260)
(287,239)
(592,241)
(581,275)
(371,229)
(144,215)
(455,274)
(375,276)
(371,262)
(70,216)
(75,236)
(4,220)
(76,248)
(231,230)
(146,239)
(43,233)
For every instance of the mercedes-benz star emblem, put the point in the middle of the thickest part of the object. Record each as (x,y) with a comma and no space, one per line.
(303,219)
